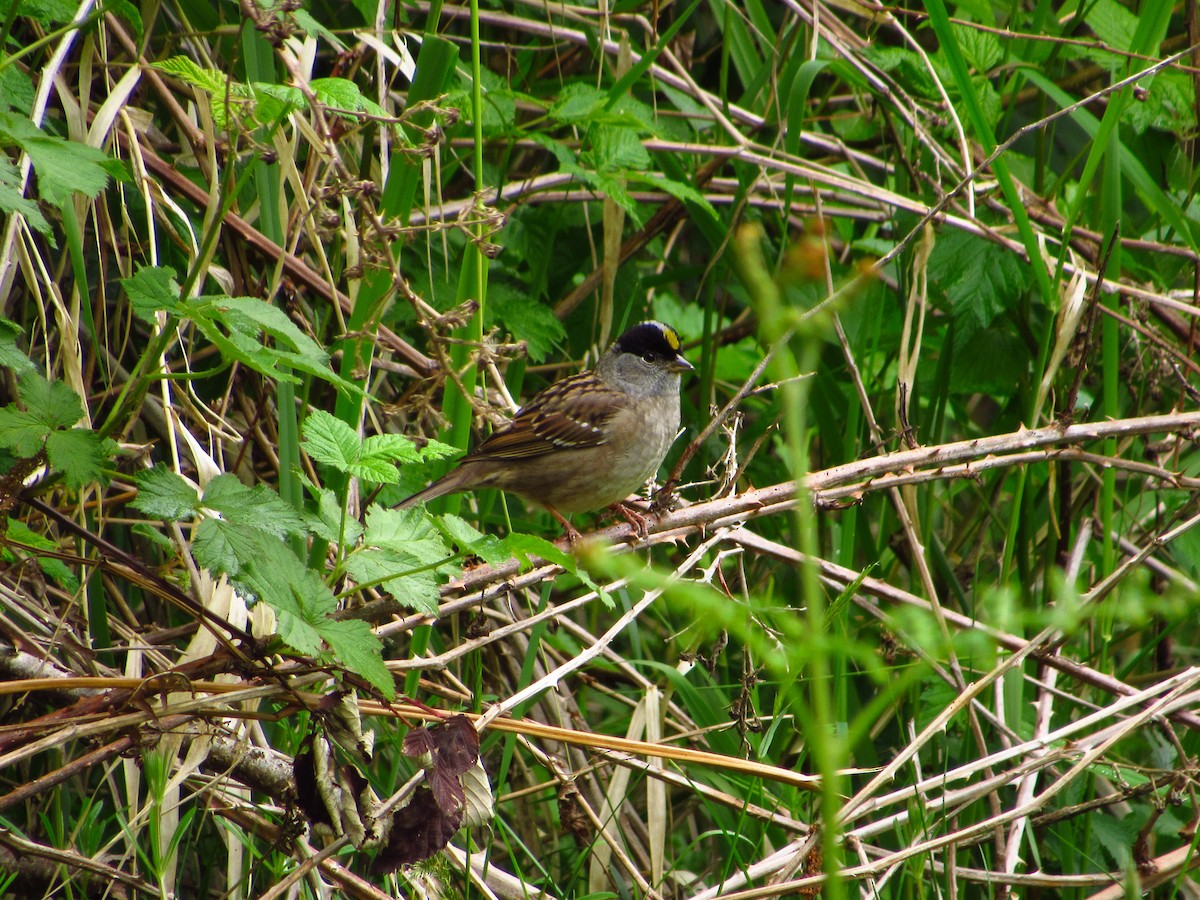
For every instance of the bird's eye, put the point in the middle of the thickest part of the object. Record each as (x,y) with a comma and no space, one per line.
(648,357)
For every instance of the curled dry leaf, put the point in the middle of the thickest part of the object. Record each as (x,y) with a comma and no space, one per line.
(419,829)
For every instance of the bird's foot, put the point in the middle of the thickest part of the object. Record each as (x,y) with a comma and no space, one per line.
(573,535)
(640,523)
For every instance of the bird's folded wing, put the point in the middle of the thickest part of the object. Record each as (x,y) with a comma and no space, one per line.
(546,423)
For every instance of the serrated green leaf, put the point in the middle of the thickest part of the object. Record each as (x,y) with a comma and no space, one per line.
(390,448)
(18,129)
(1113,23)
(153,536)
(344,94)
(16,91)
(487,547)
(310,25)
(252,316)
(17,532)
(257,507)
(214,546)
(677,189)
(48,12)
(11,354)
(297,633)
(152,289)
(80,454)
(375,469)
(329,440)
(616,149)
(255,559)
(236,325)
(355,646)
(980,279)
(437,450)
(608,186)
(405,530)
(238,347)
(164,495)
(65,168)
(326,523)
(12,201)
(130,13)
(272,102)
(53,402)
(186,70)
(524,546)
(560,151)
(576,103)
(526,319)
(393,571)
(21,432)
(981,48)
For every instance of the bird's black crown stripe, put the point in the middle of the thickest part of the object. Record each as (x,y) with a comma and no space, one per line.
(648,338)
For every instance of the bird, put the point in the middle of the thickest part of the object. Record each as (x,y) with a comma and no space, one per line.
(587,441)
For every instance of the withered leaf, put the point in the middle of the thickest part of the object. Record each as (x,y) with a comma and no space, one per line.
(457,745)
(447,789)
(419,830)
(308,797)
(419,742)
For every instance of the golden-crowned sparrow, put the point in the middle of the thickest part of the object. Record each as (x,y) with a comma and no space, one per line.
(588,440)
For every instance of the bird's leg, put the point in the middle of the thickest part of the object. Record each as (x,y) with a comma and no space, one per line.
(573,535)
(641,524)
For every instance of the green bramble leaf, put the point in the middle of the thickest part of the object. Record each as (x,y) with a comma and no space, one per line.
(437,450)
(616,150)
(51,401)
(396,572)
(487,547)
(328,521)
(11,354)
(21,432)
(378,449)
(526,319)
(355,646)
(677,189)
(344,94)
(239,327)
(79,454)
(577,103)
(65,168)
(48,407)
(188,71)
(12,201)
(16,91)
(257,507)
(331,441)
(221,546)
(164,495)
(406,530)
(17,532)
(525,546)
(152,289)
(311,601)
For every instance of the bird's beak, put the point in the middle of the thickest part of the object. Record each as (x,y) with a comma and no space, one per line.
(680,365)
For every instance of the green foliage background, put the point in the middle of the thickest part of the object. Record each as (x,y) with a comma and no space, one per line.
(266,270)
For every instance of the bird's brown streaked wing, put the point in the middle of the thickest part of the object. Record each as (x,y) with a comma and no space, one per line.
(541,426)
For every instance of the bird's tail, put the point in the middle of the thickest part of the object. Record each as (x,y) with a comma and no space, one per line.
(441,487)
